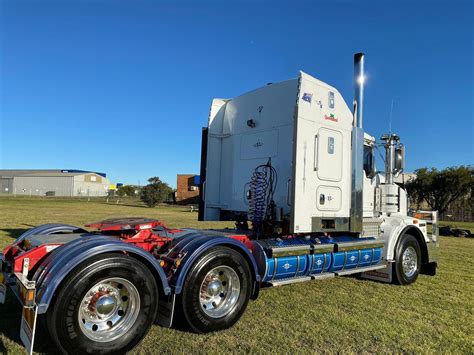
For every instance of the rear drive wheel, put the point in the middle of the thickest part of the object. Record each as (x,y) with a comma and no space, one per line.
(407,260)
(106,305)
(216,291)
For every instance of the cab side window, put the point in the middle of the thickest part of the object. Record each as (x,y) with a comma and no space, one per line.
(369,162)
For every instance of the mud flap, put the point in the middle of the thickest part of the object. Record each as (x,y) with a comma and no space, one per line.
(382,275)
(28,327)
(165,313)
(429,268)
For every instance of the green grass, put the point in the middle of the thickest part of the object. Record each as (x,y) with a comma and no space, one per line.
(344,314)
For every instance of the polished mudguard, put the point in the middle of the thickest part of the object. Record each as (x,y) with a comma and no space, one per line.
(58,265)
(193,244)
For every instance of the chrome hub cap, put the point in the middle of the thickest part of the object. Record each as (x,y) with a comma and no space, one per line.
(109,309)
(219,291)
(409,261)
(105,305)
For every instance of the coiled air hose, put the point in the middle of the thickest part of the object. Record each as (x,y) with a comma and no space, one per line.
(262,188)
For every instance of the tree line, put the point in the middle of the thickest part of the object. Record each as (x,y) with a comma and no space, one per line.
(152,194)
(443,189)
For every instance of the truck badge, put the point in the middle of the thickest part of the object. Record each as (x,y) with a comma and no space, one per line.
(286,266)
(331,117)
(307,97)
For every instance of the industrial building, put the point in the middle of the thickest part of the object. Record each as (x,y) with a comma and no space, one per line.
(68,183)
(187,189)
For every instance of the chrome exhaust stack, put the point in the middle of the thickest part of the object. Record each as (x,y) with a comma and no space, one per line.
(359,79)
(357,146)
(394,157)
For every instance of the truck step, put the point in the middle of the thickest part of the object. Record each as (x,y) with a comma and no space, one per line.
(325,275)
(361,269)
(301,279)
(289,281)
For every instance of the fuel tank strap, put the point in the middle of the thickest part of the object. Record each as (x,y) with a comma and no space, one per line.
(366,244)
(289,251)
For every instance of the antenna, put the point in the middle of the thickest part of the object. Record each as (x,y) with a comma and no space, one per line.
(390,121)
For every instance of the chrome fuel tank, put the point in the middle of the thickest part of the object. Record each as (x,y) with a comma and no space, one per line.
(301,257)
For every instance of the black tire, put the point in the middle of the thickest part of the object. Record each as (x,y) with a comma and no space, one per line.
(400,275)
(63,315)
(190,302)
(445,231)
(461,233)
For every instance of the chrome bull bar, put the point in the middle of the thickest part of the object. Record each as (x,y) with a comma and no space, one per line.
(431,218)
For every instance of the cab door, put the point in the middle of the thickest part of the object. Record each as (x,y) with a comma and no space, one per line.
(328,154)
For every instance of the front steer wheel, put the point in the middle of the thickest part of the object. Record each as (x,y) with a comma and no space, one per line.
(216,291)
(106,305)
(407,260)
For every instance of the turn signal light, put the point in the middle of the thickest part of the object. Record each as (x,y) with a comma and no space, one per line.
(30,295)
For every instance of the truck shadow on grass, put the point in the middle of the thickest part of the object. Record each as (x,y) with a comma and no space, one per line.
(14,232)
(120,204)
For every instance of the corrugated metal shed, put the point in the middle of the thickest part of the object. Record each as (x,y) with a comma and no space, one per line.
(6,185)
(53,182)
(41,185)
(46,172)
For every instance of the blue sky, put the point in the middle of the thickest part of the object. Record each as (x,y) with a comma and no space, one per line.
(124,87)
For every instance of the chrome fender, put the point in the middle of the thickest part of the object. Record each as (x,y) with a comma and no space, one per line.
(192,246)
(63,260)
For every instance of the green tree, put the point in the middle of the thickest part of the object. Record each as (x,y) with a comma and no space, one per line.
(126,190)
(155,192)
(441,188)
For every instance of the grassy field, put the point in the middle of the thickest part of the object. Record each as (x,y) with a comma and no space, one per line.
(344,314)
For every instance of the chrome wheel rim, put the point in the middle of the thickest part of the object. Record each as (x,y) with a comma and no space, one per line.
(409,261)
(109,309)
(219,292)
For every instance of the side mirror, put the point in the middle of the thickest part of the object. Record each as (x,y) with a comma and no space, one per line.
(400,158)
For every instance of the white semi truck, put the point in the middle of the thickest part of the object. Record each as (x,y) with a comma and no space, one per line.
(291,164)
(302,133)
